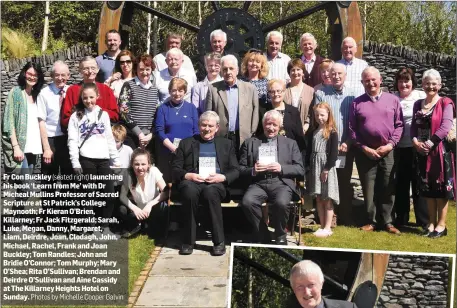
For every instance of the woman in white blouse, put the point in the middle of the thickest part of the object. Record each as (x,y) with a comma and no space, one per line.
(146,185)
(404,86)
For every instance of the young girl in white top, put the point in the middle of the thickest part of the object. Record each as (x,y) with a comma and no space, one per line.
(91,144)
(146,185)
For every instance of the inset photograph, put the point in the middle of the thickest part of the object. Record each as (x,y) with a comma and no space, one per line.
(272,276)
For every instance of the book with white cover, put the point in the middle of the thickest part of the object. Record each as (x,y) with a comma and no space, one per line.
(206,166)
(340,161)
(267,154)
(176,142)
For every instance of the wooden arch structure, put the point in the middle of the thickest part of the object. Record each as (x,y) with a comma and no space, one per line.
(243,30)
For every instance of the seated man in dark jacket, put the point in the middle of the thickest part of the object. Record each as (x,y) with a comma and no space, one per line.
(271,162)
(202,169)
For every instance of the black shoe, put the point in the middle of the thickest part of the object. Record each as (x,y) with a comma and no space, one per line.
(426,232)
(219,249)
(186,249)
(281,240)
(436,234)
(133,232)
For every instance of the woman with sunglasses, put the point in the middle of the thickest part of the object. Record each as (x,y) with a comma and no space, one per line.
(21,139)
(124,70)
(254,69)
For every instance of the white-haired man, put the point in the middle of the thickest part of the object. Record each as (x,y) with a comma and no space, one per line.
(277,61)
(173,41)
(270,163)
(354,66)
(197,188)
(340,97)
(376,126)
(218,39)
(236,102)
(306,280)
(174,60)
(308,45)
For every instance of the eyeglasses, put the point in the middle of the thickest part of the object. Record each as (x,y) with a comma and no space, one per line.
(92,68)
(125,62)
(275,91)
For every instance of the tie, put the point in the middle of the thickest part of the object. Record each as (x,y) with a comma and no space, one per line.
(61,97)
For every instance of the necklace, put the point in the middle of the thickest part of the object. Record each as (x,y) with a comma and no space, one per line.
(178,108)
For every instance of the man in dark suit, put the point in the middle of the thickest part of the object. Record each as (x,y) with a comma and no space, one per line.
(202,169)
(306,280)
(271,175)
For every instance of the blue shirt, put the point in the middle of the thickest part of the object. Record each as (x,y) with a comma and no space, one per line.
(179,121)
(208,149)
(106,65)
(232,99)
(354,70)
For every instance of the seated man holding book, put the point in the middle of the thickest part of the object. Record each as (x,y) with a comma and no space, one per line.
(272,162)
(203,167)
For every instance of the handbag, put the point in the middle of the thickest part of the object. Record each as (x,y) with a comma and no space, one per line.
(91,129)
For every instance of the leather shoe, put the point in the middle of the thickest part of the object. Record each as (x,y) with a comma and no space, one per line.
(219,249)
(281,240)
(186,249)
(436,234)
(391,229)
(426,232)
(367,228)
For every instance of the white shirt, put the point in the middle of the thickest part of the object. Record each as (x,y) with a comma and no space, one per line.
(278,67)
(163,80)
(49,109)
(407,105)
(117,85)
(160,63)
(309,64)
(33,139)
(99,145)
(151,190)
(125,154)
(354,71)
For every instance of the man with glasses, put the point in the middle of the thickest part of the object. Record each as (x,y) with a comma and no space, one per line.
(236,102)
(173,41)
(107,60)
(106,100)
(277,60)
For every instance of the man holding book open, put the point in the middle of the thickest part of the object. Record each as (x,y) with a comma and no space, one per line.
(272,162)
(203,167)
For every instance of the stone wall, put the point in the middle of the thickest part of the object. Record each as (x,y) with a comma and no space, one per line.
(388,58)
(10,68)
(415,281)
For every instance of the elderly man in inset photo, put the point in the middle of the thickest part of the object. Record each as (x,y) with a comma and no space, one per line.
(306,280)
(271,162)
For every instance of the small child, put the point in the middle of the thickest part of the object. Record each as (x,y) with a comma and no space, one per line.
(125,152)
(321,158)
(91,143)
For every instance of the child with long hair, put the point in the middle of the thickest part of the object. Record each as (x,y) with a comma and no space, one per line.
(321,159)
(145,184)
(91,144)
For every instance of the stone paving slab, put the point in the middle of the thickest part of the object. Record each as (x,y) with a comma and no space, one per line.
(198,265)
(175,292)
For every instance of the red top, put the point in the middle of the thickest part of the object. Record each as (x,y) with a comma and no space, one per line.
(106,101)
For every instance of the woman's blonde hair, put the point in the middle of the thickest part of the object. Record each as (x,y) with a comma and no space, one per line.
(257,56)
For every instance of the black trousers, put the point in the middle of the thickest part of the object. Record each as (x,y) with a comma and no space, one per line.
(404,158)
(209,195)
(100,167)
(377,176)
(279,196)
(235,137)
(344,209)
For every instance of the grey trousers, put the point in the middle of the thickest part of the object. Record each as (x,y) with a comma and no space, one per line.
(378,184)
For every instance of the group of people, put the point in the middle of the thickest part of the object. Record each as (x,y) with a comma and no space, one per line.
(280,120)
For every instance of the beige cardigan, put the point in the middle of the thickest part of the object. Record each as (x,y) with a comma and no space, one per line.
(306,99)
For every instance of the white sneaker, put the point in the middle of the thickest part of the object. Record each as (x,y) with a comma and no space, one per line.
(319,231)
(324,233)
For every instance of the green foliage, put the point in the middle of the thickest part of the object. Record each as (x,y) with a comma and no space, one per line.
(16,44)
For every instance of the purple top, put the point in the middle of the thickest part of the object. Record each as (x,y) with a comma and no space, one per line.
(445,126)
(375,124)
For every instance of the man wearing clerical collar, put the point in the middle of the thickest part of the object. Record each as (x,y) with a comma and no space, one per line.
(203,167)
(270,162)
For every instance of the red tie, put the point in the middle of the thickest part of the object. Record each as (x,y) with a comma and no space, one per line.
(61,97)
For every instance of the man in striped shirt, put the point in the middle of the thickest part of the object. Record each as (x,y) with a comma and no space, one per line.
(340,97)
(354,66)
(277,61)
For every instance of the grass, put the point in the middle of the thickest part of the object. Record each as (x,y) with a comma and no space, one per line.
(409,240)
(140,249)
